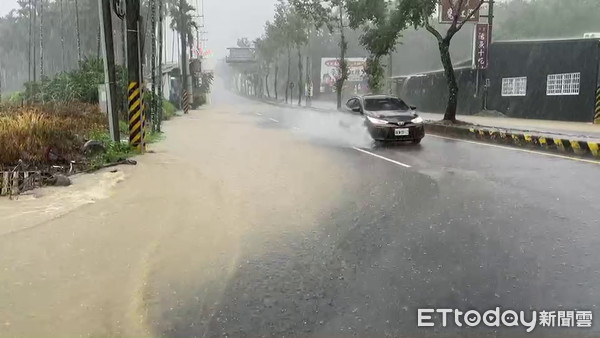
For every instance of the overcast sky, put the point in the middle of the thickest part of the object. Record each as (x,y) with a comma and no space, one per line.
(6,6)
(226,20)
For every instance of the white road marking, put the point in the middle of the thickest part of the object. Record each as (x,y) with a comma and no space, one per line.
(381,157)
(518,149)
(272,119)
(296,128)
(259,114)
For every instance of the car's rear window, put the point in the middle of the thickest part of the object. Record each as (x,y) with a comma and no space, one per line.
(385,104)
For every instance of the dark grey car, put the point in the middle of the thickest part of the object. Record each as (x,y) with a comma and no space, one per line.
(388,118)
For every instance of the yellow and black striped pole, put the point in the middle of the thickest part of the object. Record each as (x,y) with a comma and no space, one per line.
(186,102)
(135,115)
(597,108)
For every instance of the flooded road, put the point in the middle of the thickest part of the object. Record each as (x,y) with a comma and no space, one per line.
(250,220)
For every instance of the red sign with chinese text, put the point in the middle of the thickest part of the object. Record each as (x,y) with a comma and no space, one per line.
(482,44)
(448,8)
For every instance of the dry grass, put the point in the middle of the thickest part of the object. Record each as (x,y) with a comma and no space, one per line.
(29,132)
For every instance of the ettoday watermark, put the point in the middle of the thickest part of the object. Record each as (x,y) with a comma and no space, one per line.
(504,318)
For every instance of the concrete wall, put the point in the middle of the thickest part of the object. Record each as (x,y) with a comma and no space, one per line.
(536,60)
(532,59)
(429,92)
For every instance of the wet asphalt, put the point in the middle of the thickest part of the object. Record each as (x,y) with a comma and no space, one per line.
(450,225)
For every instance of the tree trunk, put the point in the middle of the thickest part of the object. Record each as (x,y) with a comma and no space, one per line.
(450,114)
(275,84)
(287,83)
(30,38)
(34,55)
(98,43)
(62,36)
(267,82)
(42,40)
(300,89)
(308,81)
(339,84)
(77,32)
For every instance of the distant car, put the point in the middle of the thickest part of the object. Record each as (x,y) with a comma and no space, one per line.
(388,118)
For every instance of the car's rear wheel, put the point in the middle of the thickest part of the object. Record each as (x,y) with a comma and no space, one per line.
(417,141)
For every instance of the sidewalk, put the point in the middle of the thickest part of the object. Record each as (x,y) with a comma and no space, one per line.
(559,128)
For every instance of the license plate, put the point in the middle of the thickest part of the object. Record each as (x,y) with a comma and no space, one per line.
(401,132)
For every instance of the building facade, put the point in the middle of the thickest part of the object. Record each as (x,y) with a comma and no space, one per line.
(551,79)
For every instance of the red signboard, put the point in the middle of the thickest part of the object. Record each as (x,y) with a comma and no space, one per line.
(482,44)
(448,8)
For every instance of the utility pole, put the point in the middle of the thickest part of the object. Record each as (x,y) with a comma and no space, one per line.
(153,109)
(184,62)
(491,19)
(133,74)
(160,61)
(124,59)
(108,52)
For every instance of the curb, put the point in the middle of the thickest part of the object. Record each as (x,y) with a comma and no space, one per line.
(285,105)
(538,141)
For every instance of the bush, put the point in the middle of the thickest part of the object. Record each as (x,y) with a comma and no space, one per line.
(30,132)
(168,107)
(80,85)
(168,110)
(207,80)
(115,151)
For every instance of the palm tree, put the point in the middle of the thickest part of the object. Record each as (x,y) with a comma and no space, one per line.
(183,23)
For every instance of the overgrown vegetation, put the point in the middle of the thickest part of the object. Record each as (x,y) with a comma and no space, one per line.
(47,133)
(115,151)
(169,110)
(75,86)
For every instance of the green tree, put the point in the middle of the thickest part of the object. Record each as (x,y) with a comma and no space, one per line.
(332,15)
(244,43)
(380,37)
(286,19)
(266,50)
(418,14)
(183,23)
(275,37)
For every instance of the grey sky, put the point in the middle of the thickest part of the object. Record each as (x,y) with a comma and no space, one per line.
(6,6)
(226,20)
